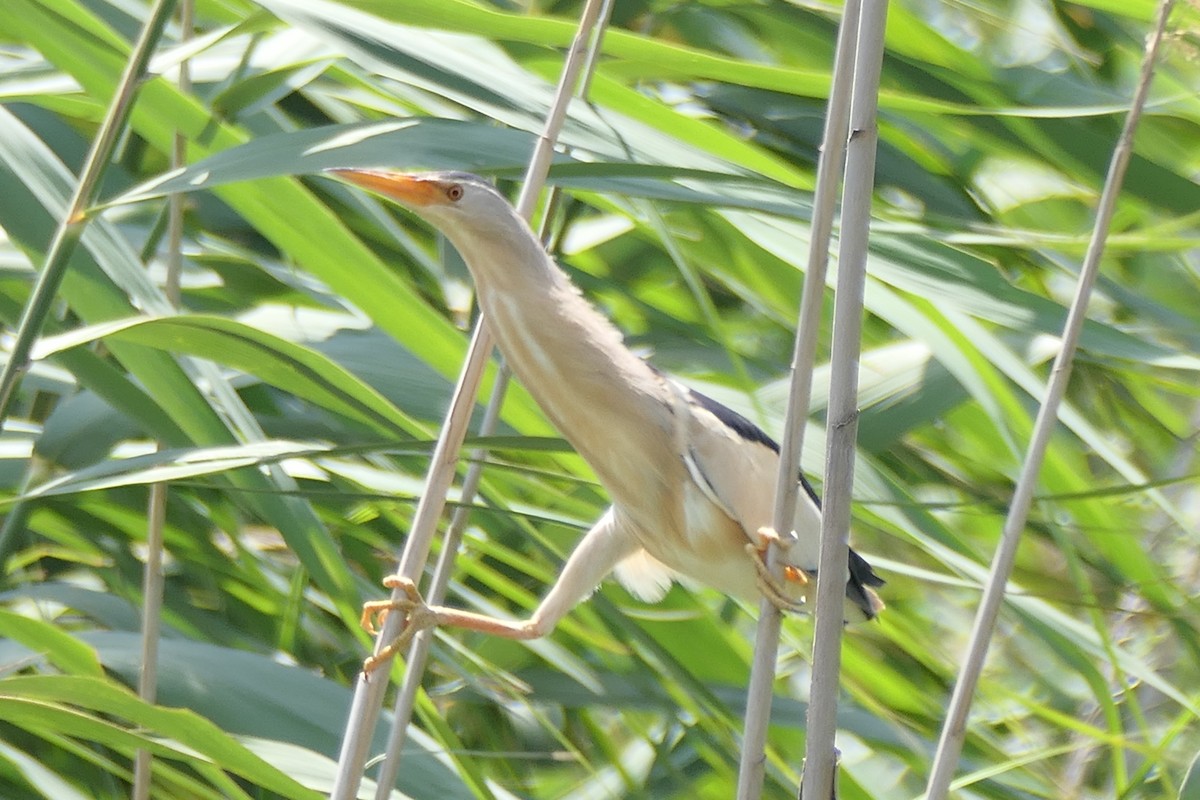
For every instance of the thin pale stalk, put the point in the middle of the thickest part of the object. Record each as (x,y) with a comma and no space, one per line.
(418,651)
(578,56)
(152,591)
(368,695)
(152,575)
(820,755)
(70,229)
(954,729)
(752,770)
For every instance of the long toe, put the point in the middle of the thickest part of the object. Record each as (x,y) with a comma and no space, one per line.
(771,587)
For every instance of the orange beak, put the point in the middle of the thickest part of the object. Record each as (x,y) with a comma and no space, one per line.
(411,190)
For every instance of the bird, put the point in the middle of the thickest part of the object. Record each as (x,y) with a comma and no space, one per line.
(692,482)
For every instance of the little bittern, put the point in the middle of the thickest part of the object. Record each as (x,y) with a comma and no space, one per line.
(692,482)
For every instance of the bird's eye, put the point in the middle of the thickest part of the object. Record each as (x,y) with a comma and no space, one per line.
(454,192)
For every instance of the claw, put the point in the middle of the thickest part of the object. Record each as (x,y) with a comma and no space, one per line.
(418,617)
(374,612)
(770,586)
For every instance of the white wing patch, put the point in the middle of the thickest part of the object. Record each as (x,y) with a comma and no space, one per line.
(702,482)
(736,474)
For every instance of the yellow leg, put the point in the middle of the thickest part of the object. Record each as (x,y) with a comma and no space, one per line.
(771,587)
(595,556)
(418,617)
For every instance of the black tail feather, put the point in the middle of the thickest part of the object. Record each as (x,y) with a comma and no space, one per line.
(863,576)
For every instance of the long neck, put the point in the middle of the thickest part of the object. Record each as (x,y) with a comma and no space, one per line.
(605,400)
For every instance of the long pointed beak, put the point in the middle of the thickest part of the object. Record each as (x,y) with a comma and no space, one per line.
(411,190)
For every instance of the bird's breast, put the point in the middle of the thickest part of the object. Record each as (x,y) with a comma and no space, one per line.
(601,397)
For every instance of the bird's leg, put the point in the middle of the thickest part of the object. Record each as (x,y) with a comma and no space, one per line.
(771,587)
(420,616)
(594,557)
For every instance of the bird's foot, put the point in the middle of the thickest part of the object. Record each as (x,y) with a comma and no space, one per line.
(418,617)
(771,587)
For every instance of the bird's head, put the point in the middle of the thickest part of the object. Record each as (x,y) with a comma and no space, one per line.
(494,240)
(452,201)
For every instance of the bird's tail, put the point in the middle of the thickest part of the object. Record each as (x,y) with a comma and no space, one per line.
(859,593)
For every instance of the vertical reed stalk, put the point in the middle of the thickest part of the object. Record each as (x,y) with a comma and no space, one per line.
(954,729)
(156,517)
(820,757)
(752,769)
